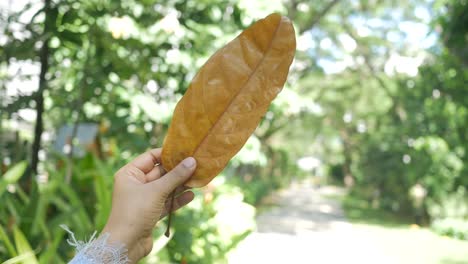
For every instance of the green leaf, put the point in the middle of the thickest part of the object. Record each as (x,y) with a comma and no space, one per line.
(24,248)
(40,215)
(80,215)
(23,258)
(50,253)
(4,237)
(12,175)
(15,172)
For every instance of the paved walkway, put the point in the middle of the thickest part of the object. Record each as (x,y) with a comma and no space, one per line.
(305,226)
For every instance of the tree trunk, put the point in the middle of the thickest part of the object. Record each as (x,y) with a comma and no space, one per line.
(39,98)
(348,176)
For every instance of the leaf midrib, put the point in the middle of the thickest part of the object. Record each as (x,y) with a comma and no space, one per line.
(239,91)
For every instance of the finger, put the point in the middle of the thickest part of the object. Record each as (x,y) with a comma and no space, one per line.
(155,173)
(176,177)
(179,202)
(146,161)
(130,170)
(179,190)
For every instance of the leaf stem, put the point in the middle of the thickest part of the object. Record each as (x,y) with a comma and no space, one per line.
(171,205)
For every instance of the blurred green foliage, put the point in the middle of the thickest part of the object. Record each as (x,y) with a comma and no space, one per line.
(380,112)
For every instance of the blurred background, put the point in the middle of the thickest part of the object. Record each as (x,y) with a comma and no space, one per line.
(362,158)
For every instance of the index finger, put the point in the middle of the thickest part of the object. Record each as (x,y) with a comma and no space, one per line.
(146,161)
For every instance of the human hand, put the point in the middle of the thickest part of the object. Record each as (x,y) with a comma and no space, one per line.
(140,200)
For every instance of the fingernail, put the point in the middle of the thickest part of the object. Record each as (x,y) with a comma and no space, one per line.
(188,162)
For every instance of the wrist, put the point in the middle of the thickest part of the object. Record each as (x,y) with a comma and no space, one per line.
(98,250)
(117,235)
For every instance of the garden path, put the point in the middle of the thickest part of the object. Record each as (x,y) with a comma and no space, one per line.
(306,225)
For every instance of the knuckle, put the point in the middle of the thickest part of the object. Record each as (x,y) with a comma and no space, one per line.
(133,171)
(151,155)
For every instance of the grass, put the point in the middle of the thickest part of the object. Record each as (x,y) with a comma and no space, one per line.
(358,210)
(395,236)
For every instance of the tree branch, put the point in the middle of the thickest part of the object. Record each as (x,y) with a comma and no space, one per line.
(399,112)
(316,19)
(369,66)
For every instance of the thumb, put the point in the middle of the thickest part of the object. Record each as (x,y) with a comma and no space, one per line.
(177,176)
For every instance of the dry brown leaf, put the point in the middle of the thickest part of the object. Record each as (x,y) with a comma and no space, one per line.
(228,97)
